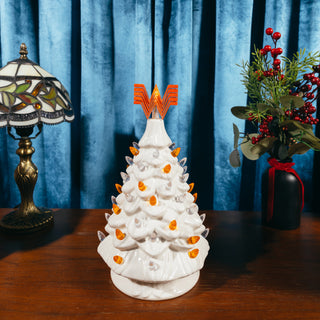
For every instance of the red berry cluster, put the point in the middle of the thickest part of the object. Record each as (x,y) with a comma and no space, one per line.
(275,52)
(264,130)
(303,114)
(308,89)
(308,86)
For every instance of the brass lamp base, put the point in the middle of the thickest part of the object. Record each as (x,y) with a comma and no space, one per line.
(34,221)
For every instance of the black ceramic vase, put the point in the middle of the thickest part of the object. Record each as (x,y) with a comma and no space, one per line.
(287,197)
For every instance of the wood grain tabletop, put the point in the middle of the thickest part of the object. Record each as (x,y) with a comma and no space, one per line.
(251,272)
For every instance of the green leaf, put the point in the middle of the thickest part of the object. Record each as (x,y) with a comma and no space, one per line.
(262,107)
(292,101)
(267,142)
(258,149)
(52,103)
(240,112)
(246,147)
(12,98)
(234,158)
(10,88)
(302,132)
(263,146)
(5,99)
(298,148)
(236,135)
(276,112)
(311,140)
(8,99)
(22,87)
(51,95)
(61,103)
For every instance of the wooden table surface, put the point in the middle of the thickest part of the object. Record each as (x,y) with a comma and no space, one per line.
(252,272)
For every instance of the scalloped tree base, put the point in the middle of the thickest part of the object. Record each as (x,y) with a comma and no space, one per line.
(154,291)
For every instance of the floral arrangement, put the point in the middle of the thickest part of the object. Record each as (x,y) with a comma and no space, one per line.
(282,93)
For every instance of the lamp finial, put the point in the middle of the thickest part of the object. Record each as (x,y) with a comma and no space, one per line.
(23,51)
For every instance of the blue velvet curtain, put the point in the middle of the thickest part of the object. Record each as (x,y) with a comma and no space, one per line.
(99,48)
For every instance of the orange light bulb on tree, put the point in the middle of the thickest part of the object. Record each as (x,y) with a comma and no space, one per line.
(173,225)
(118,187)
(153,201)
(193,239)
(142,186)
(120,235)
(175,152)
(116,209)
(167,168)
(134,151)
(118,259)
(193,253)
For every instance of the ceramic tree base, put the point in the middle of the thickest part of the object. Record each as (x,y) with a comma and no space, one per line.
(155,291)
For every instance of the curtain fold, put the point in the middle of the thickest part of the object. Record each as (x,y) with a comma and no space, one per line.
(100,49)
(54,46)
(18,23)
(97,107)
(233,29)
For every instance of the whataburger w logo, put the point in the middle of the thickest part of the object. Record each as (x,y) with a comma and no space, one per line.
(141,97)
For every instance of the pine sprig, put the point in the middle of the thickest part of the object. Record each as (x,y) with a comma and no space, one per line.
(300,64)
(269,90)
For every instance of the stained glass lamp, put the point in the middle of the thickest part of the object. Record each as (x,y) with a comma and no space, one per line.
(29,97)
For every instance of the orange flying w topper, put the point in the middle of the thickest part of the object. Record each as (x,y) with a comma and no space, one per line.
(141,97)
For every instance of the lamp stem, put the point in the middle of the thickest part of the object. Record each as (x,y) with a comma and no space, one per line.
(28,217)
(26,175)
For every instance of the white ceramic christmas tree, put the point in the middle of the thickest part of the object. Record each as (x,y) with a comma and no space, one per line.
(156,243)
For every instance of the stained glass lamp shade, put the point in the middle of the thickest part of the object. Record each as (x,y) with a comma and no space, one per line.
(29,96)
